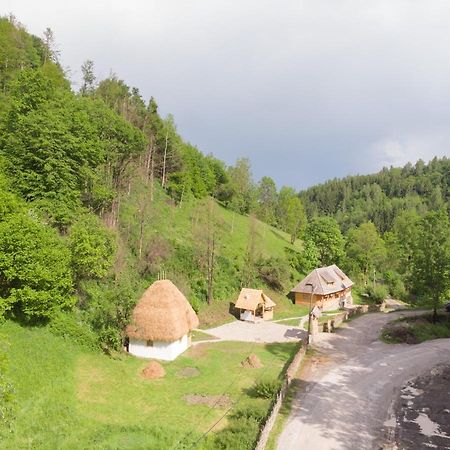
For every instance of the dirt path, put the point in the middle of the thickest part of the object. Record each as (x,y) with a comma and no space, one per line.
(263,332)
(348,398)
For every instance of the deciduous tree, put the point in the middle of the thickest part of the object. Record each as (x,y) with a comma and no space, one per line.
(324,232)
(431,260)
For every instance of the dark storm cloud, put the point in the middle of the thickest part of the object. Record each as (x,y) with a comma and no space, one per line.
(308,90)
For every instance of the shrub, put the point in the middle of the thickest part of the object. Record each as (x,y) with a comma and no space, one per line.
(254,412)
(240,435)
(71,327)
(34,269)
(107,309)
(395,285)
(267,388)
(379,293)
(92,247)
(273,272)
(376,294)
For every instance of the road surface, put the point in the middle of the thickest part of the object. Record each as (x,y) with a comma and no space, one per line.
(262,331)
(346,401)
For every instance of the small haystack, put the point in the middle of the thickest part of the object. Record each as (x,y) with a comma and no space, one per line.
(153,371)
(252,362)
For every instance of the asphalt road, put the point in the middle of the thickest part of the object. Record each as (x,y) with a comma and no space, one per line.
(347,397)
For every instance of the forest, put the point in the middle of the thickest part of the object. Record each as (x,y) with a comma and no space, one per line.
(99,195)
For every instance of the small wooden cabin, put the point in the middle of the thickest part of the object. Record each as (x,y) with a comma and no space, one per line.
(253,304)
(332,289)
(161,323)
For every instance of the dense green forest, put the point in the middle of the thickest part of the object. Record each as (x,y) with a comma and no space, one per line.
(100,195)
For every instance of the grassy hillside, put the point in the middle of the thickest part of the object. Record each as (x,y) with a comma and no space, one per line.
(169,246)
(67,397)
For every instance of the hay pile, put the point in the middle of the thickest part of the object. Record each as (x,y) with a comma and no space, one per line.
(163,314)
(252,362)
(153,371)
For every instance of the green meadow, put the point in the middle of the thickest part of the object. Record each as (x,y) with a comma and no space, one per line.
(68,397)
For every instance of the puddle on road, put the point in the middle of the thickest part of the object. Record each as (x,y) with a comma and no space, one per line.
(428,427)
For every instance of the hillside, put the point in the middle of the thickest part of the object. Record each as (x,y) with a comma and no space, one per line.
(172,246)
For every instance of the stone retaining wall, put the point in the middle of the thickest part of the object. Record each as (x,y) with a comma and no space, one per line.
(272,417)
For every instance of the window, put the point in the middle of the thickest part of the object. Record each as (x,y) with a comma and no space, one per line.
(149,343)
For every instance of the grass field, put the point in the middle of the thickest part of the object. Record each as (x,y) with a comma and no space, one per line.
(70,398)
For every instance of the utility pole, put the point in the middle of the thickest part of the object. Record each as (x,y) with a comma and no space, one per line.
(310,308)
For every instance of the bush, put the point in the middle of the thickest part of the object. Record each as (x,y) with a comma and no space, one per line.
(240,435)
(267,388)
(379,293)
(34,269)
(273,271)
(107,309)
(254,412)
(71,327)
(376,294)
(395,285)
(92,247)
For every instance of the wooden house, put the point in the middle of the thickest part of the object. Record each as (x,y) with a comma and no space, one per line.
(161,323)
(254,304)
(332,289)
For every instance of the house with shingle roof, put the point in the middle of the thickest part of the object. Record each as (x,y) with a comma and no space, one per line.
(332,289)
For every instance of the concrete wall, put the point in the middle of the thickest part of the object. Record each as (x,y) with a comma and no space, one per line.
(166,351)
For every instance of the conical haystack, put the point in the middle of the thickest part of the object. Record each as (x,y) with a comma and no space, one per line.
(163,314)
(153,371)
(252,362)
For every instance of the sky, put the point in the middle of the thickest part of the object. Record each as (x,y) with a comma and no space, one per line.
(308,90)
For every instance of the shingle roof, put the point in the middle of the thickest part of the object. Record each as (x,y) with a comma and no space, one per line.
(326,280)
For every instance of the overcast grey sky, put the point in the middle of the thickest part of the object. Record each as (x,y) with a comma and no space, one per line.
(308,90)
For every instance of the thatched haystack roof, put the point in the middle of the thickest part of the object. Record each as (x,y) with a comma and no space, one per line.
(162,314)
(250,299)
(326,280)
